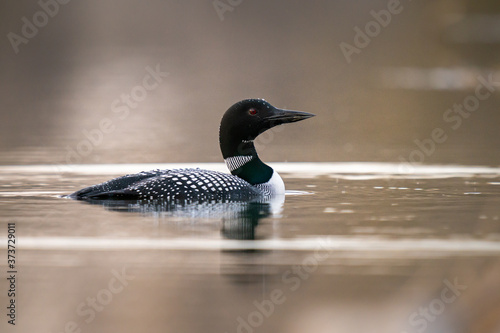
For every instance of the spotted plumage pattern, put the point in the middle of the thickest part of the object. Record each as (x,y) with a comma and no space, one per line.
(176,184)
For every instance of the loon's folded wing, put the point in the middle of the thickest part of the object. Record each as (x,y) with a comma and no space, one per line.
(125,194)
(117,186)
(176,184)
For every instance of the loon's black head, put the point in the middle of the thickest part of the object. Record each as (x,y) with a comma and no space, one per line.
(245,120)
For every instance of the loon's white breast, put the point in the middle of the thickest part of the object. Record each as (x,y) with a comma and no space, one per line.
(275,185)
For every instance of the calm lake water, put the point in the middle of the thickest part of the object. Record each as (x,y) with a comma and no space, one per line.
(351,241)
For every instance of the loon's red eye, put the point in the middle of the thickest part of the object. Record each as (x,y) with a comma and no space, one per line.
(252,111)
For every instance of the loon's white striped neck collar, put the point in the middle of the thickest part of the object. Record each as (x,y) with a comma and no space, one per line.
(236,162)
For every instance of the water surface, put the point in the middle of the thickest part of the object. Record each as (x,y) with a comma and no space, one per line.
(351,240)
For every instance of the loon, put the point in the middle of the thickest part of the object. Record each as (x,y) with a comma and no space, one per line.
(250,178)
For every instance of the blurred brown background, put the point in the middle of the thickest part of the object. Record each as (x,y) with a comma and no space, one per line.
(64,80)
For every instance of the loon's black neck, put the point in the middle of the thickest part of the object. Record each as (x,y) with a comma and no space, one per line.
(255,171)
(243,161)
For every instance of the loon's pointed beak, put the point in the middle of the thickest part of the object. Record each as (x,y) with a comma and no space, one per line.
(282,116)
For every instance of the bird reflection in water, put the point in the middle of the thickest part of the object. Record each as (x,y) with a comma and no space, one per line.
(238,219)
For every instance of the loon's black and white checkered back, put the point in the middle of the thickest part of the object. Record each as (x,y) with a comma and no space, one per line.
(176,184)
